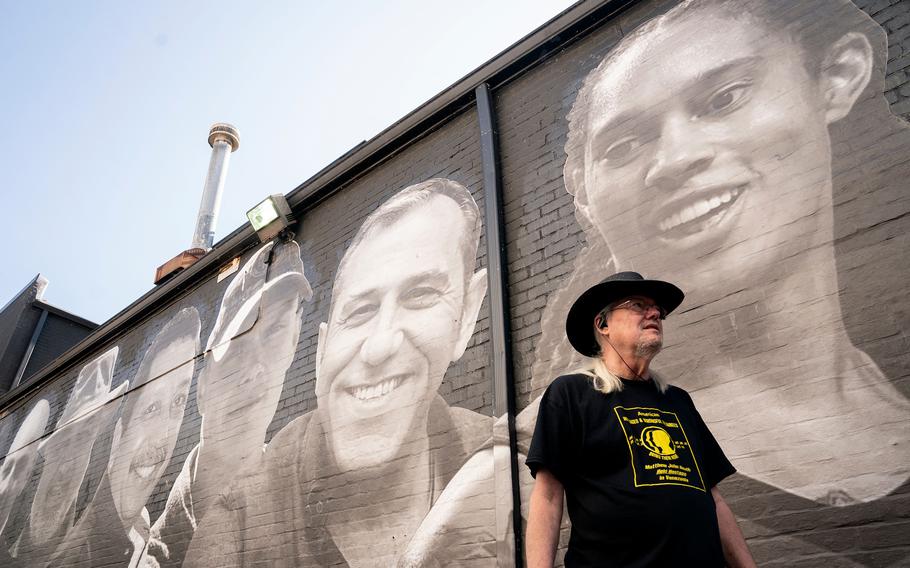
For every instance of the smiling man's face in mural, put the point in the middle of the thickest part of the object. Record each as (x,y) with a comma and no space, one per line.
(402,312)
(146,433)
(707,140)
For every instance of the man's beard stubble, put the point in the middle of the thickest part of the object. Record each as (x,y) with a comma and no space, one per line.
(648,348)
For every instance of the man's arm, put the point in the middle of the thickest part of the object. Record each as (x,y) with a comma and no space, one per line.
(544,519)
(736,552)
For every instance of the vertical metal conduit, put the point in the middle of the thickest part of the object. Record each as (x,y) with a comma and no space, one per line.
(500,331)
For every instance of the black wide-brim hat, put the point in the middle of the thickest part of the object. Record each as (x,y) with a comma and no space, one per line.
(580,321)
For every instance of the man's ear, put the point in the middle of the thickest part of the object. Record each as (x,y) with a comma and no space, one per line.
(320,351)
(473,297)
(601,328)
(845,72)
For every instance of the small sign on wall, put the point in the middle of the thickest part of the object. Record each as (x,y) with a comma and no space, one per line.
(229,269)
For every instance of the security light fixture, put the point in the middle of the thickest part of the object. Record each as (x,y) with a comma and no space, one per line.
(270,217)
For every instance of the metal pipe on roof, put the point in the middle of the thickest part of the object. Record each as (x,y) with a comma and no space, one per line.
(224,139)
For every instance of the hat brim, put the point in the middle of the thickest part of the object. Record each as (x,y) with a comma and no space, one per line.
(580,320)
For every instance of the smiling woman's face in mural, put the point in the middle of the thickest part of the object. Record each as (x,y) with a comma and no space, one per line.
(707,141)
(395,327)
(144,441)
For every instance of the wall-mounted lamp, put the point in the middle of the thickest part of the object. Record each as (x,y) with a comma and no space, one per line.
(270,217)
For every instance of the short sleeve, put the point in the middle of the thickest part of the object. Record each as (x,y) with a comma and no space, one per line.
(716,465)
(555,440)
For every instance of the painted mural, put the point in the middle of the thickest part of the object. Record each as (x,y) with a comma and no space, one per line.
(349,483)
(740,148)
(737,148)
(346,484)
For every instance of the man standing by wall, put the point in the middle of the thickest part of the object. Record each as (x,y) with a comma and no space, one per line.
(635,461)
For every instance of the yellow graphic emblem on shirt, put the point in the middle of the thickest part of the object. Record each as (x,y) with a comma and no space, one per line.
(657,440)
(659,448)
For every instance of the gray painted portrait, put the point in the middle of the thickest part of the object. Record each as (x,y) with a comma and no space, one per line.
(349,483)
(16,467)
(142,444)
(67,450)
(247,355)
(113,527)
(744,150)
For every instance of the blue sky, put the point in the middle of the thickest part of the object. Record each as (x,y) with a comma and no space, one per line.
(105,109)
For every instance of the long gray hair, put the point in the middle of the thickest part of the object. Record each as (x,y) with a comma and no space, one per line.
(606,382)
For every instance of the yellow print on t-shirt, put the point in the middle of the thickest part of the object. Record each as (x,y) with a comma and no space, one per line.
(659,448)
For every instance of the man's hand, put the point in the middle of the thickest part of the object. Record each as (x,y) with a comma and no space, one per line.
(544,519)
(460,529)
(736,552)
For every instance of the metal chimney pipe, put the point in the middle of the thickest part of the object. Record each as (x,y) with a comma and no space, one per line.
(224,139)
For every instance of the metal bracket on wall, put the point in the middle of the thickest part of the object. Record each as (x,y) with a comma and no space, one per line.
(31,349)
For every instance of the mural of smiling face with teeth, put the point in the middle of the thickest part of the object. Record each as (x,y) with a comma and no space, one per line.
(402,312)
(701,148)
(700,141)
(145,435)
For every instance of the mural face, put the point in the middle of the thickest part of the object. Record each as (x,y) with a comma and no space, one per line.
(708,162)
(251,348)
(396,324)
(147,431)
(349,483)
(67,451)
(20,458)
(711,150)
(700,151)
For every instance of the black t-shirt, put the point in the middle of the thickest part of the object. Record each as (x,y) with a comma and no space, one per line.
(637,467)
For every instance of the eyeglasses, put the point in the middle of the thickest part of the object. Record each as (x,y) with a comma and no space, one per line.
(639,307)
